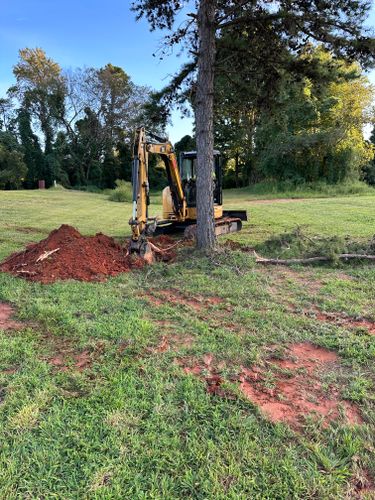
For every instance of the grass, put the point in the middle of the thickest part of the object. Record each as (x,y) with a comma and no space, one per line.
(285,189)
(133,424)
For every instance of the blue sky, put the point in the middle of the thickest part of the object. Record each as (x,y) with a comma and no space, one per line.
(89,33)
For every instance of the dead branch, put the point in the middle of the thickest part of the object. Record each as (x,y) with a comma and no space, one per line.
(309,260)
(46,254)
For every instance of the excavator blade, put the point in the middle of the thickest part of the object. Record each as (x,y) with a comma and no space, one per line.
(224,225)
(227,225)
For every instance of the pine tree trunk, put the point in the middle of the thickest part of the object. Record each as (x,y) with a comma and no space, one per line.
(204,125)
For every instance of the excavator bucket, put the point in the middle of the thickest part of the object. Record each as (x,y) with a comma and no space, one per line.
(142,248)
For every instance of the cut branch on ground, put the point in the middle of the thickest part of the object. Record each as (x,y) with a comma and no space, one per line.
(311,260)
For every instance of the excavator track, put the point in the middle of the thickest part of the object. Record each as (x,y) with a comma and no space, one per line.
(224,225)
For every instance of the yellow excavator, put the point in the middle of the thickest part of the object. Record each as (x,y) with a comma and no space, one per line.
(179,197)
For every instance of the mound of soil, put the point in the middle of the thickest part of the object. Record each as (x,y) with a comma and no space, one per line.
(66,254)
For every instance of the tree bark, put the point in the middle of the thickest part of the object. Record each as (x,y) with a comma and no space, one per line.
(204,124)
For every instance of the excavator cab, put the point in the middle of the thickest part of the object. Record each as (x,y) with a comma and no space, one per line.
(187,166)
(188,169)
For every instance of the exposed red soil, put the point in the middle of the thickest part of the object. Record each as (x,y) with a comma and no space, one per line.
(64,361)
(66,254)
(345,321)
(279,276)
(6,321)
(208,372)
(296,391)
(167,247)
(65,356)
(299,392)
(172,342)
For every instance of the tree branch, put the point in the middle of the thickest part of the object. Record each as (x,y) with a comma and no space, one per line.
(310,260)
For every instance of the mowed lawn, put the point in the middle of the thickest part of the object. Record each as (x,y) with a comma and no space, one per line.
(131,388)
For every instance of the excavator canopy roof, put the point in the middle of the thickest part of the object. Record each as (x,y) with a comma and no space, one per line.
(193,154)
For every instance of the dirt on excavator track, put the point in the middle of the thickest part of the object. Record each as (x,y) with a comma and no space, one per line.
(66,254)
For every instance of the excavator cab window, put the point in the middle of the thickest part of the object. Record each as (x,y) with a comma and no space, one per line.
(188,169)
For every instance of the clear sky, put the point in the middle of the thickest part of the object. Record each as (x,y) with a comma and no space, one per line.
(89,33)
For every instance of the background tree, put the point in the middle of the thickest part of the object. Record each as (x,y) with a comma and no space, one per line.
(12,165)
(369,169)
(339,26)
(40,89)
(314,130)
(8,116)
(102,108)
(186,143)
(32,151)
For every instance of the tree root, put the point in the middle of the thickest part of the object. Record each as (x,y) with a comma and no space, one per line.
(159,250)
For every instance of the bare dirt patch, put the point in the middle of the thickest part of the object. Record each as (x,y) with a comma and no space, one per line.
(175,297)
(286,390)
(280,275)
(297,389)
(6,321)
(342,320)
(65,356)
(209,372)
(308,282)
(65,361)
(172,342)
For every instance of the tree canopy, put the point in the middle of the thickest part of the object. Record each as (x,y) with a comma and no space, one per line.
(252,43)
(74,127)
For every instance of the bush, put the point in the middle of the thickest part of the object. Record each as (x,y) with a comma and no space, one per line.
(13,169)
(58,187)
(290,189)
(88,188)
(122,193)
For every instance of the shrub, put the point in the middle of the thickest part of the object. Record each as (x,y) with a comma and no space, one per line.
(57,187)
(122,193)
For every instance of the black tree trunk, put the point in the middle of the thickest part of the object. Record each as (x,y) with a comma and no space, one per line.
(204,125)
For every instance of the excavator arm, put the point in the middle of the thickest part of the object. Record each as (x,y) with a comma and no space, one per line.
(140,223)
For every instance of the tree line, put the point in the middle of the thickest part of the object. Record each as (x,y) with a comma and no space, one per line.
(311,128)
(75,127)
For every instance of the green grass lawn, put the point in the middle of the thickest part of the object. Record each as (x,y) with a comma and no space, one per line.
(91,405)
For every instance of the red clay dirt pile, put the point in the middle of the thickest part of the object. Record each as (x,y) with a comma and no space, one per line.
(66,254)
